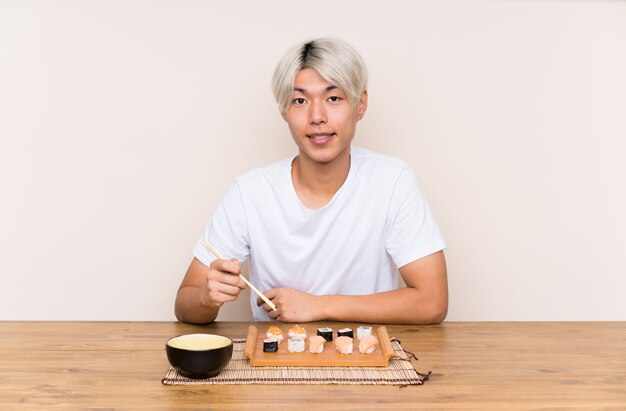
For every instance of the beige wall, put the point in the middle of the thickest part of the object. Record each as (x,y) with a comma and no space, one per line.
(122,123)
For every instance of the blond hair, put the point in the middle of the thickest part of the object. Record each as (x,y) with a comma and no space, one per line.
(335,60)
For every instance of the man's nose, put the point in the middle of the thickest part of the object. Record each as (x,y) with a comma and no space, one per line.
(317,113)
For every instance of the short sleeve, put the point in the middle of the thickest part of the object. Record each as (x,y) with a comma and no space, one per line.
(226,231)
(412,232)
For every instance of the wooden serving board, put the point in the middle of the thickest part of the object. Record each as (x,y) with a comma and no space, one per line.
(329,358)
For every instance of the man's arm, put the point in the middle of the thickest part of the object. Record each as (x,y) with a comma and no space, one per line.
(423,301)
(205,289)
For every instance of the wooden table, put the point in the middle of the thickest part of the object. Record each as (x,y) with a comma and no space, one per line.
(481,365)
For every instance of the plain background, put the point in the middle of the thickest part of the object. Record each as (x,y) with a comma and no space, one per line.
(122,123)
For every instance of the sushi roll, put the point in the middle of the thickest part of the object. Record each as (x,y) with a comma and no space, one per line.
(363,331)
(316,344)
(368,344)
(345,332)
(270,344)
(344,345)
(297,331)
(275,332)
(325,332)
(295,344)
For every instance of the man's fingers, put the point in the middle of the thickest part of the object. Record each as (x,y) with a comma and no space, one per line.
(223,282)
(219,287)
(227,266)
(227,278)
(271,313)
(219,293)
(269,294)
(227,272)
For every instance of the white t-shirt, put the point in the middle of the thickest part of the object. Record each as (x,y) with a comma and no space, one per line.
(377,222)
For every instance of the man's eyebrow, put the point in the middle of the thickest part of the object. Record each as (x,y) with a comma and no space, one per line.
(303,91)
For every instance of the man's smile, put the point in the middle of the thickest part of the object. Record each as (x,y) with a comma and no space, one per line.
(321,138)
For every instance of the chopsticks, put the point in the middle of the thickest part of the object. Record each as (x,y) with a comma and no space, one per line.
(260,294)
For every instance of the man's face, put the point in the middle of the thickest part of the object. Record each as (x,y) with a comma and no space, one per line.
(320,117)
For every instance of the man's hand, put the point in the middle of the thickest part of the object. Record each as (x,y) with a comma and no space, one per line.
(292,305)
(223,283)
(205,289)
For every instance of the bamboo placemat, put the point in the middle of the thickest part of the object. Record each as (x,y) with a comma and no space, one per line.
(238,371)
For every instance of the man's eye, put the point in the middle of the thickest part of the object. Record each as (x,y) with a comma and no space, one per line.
(299,100)
(334,99)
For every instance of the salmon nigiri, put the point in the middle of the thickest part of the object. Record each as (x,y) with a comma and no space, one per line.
(343,345)
(368,344)
(274,332)
(297,331)
(316,344)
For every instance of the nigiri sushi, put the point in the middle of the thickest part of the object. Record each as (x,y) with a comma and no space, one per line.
(368,344)
(316,344)
(275,332)
(297,331)
(343,345)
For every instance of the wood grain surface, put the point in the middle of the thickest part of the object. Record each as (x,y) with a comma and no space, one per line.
(328,358)
(476,365)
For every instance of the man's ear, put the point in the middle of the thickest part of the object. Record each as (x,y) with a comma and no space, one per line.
(362,106)
(283,114)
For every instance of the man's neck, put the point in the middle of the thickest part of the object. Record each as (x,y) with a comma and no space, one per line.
(316,183)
